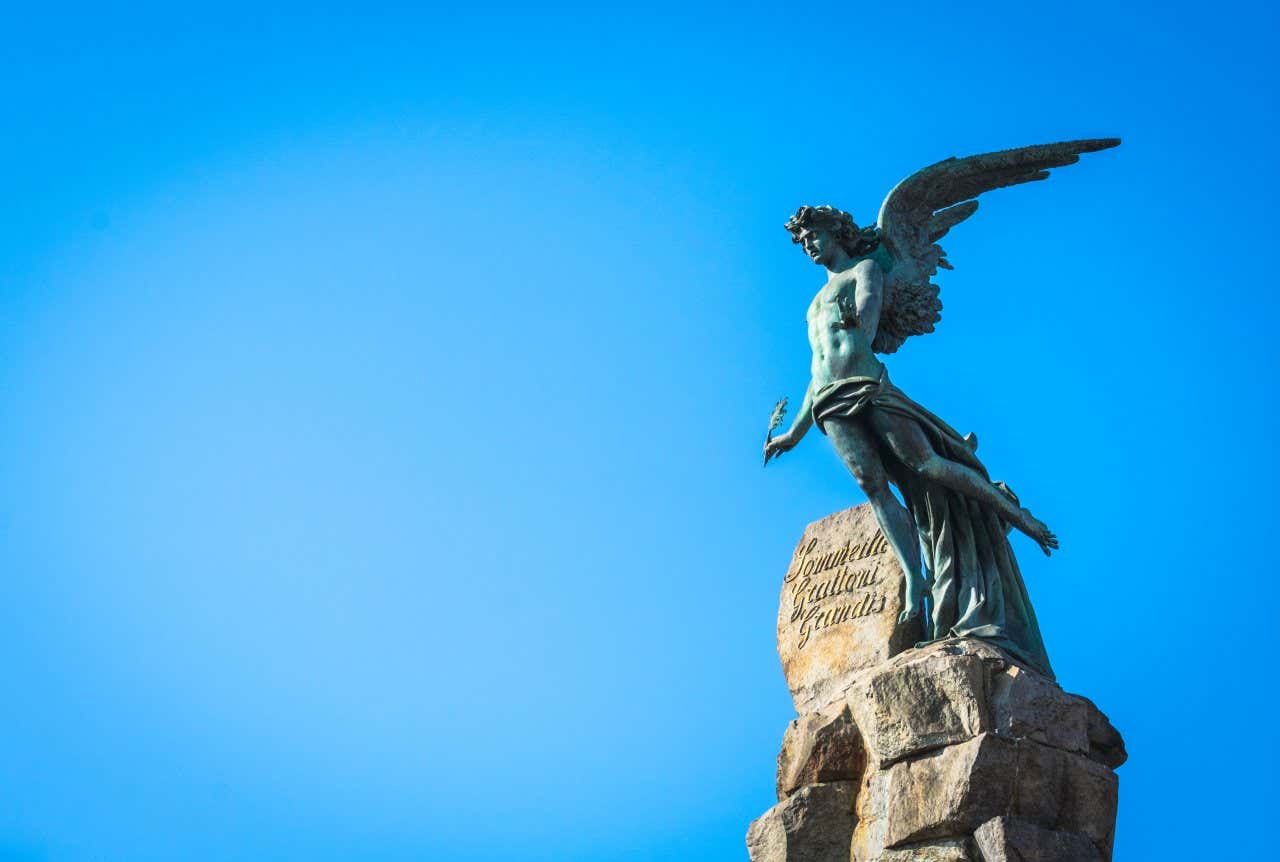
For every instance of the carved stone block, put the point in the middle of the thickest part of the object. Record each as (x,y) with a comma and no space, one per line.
(954,790)
(813,825)
(951,850)
(1105,743)
(925,700)
(951,791)
(839,608)
(818,748)
(1006,839)
(1029,705)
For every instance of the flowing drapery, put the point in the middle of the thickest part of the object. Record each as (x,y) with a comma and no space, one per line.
(977,588)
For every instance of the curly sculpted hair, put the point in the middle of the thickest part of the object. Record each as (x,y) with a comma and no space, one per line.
(856,241)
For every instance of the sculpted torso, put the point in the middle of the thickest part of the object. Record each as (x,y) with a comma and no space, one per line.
(842,325)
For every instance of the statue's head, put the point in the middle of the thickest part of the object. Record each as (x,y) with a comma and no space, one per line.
(822,230)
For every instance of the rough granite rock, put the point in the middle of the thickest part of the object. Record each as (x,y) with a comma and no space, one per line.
(952,791)
(1105,743)
(1068,792)
(952,850)
(839,607)
(936,699)
(871,806)
(818,748)
(1029,705)
(1007,839)
(815,824)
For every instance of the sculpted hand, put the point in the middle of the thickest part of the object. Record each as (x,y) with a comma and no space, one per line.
(775,446)
(1037,530)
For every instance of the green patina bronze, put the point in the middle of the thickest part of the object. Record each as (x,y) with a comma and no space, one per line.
(951,536)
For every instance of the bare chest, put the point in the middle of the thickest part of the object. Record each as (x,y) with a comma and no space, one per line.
(833,307)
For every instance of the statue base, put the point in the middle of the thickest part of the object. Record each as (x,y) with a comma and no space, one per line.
(840,609)
(947,752)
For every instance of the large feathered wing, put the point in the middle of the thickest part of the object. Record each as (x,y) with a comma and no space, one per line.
(922,208)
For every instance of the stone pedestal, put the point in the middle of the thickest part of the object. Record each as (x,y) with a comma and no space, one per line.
(950,752)
(838,614)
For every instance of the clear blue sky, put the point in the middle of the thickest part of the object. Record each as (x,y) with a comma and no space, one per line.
(381,400)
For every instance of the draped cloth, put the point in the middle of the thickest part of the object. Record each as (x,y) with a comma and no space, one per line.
(977,588)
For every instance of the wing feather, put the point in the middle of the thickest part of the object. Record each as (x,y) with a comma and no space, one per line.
(922,208)
(944,220)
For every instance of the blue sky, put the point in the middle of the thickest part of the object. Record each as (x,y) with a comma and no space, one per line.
(381,396)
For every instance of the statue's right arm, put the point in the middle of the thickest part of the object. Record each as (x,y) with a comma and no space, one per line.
(804,417)
(804,421)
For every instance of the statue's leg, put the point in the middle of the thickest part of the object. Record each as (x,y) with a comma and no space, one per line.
(853,442)
(910,445)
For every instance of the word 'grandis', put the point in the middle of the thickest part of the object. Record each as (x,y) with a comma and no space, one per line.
(816,619)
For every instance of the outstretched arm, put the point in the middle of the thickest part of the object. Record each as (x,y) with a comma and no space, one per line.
(787,441)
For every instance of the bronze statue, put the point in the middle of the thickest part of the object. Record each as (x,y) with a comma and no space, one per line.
(951,536)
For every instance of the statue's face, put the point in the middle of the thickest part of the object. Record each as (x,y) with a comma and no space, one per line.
(819,244)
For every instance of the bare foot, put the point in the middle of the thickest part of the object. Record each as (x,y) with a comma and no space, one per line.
(1039,533)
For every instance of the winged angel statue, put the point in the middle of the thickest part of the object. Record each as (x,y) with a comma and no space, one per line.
(951,536)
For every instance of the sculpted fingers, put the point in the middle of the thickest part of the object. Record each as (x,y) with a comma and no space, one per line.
(1048,543)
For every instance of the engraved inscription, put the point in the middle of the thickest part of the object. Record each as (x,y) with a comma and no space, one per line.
(839,606)
(837,586)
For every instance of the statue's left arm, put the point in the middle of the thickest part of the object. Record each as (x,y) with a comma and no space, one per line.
(868,297)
